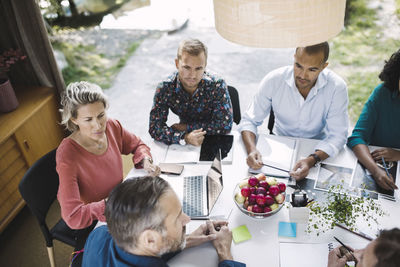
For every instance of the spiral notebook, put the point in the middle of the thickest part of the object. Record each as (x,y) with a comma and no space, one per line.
(298,254)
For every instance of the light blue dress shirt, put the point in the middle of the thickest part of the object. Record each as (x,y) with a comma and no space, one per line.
(322,115)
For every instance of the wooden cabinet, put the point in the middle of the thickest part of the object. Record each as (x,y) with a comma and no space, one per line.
(26,134)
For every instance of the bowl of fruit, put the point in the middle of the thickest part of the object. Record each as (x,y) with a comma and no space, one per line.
(259,196)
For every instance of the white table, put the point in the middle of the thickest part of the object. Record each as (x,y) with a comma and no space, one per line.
(263,248)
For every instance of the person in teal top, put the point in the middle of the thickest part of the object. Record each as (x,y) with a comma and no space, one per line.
(379,124)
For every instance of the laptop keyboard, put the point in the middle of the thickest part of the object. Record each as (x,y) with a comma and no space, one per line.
(192,195)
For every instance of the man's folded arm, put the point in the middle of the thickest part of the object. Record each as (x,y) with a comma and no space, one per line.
(158,128)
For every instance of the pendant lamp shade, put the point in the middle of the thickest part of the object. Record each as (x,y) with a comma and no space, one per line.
(279,23)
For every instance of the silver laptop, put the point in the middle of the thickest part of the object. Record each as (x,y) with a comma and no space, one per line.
(201,192)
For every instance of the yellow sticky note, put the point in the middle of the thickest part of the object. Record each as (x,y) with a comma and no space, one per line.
(240,234)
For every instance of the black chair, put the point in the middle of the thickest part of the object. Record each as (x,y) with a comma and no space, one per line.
(233,93)
(39,188)
(271,121)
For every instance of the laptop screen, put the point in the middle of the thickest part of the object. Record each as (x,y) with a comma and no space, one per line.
(214,181)
(213,144)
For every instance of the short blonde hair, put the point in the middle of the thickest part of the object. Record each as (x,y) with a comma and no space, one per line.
(193,47)
(76,95)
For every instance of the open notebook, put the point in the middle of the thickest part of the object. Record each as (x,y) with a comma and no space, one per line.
(277,151)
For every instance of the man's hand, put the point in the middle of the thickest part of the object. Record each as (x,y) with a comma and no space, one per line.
(202,234)
(223,241)
(335,258)
(383,180)
(179,127)
(301,168)
(387,153)
(153,170)
(195,137)
(254,160)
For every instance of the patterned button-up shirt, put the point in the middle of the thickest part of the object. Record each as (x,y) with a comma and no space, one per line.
(209,108)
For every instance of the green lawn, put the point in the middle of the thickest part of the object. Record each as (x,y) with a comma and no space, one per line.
(358,54)
(86,63)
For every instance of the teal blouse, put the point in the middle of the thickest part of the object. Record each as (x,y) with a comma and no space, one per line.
(379,122)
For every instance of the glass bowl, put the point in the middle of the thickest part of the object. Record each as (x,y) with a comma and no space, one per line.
(251,214)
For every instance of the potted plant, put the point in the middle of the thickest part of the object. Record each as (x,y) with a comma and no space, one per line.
(343,208)
(8,100)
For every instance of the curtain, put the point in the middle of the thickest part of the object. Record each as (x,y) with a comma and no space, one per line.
(22,26)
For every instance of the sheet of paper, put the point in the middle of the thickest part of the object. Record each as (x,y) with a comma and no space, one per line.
(277,151)
(182,154)
(287,229)
(307,254)
(240,234)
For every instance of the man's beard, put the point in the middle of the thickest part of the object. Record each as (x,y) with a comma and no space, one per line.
(173,245)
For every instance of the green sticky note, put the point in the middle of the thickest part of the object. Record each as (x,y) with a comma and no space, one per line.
(287,229)
(240,234)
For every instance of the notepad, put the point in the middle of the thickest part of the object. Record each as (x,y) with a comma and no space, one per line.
(240,234)
(277,151)
(287,229)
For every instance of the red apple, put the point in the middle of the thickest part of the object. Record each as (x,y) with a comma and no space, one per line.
(280,198)
(267,209)
(263,184)
(257,209)
(282,187)
(245,191)
(274,190)
(261,176)
(252,199)
(260,200)
(253,181)
(261,190)
(252,190)
(269,200)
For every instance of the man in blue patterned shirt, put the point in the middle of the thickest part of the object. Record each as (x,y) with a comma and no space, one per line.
(146,227)
(200,99)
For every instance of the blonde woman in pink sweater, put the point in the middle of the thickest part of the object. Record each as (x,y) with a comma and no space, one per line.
(89,160)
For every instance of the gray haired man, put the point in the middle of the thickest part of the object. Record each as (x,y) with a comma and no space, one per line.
(146,227)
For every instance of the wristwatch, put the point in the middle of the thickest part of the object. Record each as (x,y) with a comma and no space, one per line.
(182,141)
(316,158)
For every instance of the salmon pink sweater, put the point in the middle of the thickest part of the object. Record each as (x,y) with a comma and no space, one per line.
(86,179)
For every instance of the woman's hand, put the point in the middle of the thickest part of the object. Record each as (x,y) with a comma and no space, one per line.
(153,170)
(388,154)
(383,180)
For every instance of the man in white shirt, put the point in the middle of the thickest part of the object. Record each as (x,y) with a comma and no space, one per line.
(308,101)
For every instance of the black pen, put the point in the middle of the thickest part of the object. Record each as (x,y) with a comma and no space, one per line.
(273,167)
(206,218)
(356,233)
(346,247)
